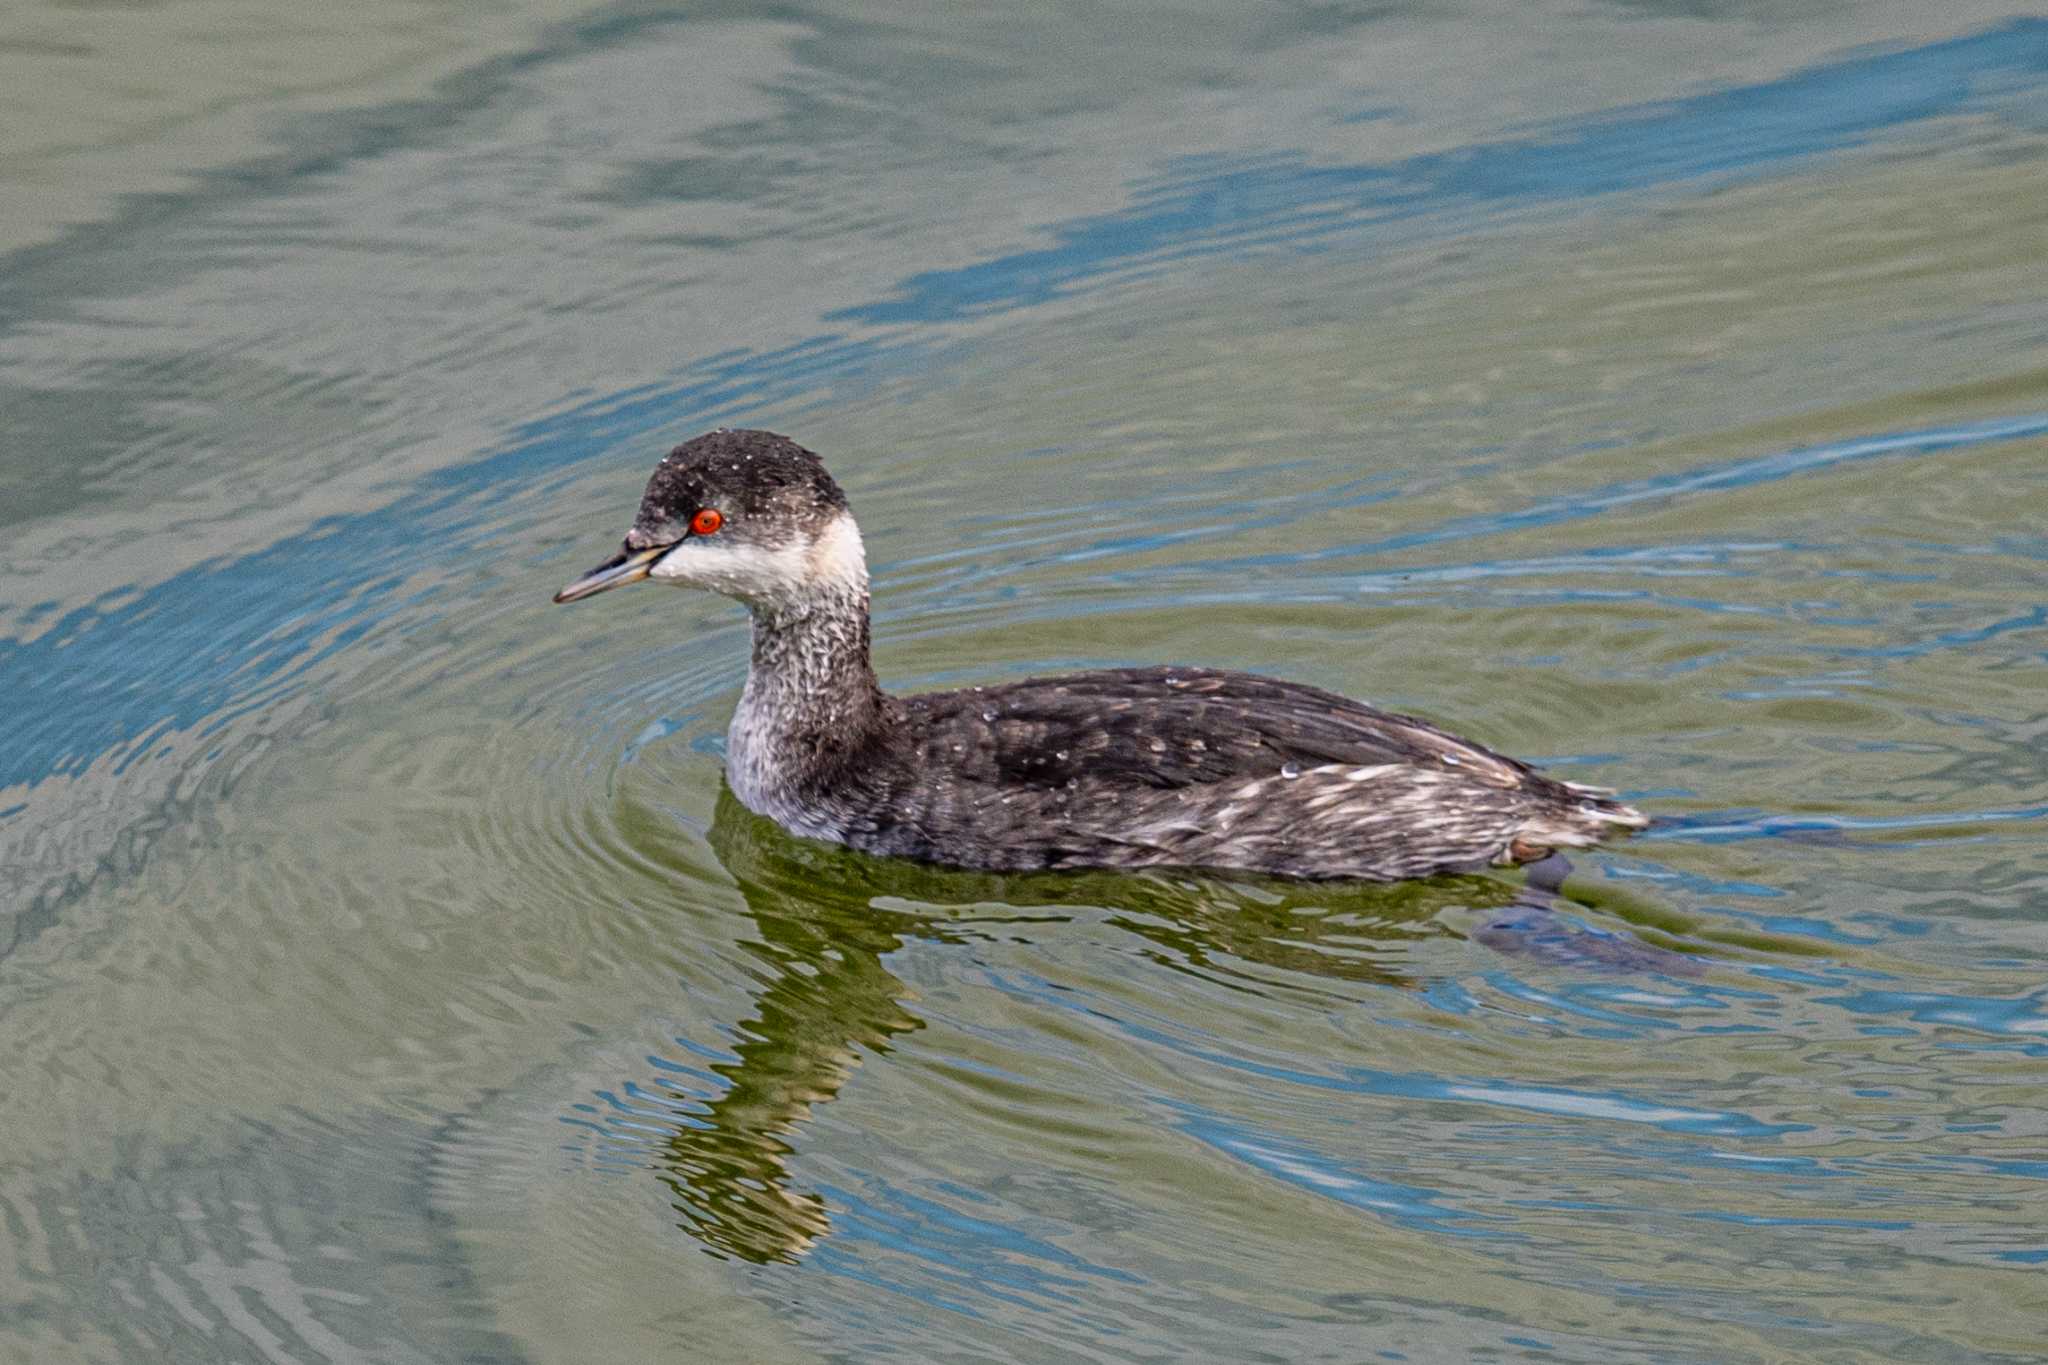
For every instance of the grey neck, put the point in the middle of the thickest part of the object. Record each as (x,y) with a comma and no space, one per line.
(811,702)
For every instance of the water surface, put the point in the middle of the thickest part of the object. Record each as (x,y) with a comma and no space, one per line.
(1660,392)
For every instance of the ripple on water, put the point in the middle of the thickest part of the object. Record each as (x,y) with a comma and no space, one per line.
(382,917)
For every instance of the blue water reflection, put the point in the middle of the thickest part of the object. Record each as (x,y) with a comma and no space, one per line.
(1594,1104)
(1709,137)
(1296,1164)
(969,1255)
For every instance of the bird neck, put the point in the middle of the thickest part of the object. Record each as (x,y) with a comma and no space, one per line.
(811,660)
(811,705)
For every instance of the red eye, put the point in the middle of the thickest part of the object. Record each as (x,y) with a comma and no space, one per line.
(707,521)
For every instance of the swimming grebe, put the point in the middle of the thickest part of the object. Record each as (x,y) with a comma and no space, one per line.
(1130,767)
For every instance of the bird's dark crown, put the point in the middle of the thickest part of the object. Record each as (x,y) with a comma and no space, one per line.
(761,483)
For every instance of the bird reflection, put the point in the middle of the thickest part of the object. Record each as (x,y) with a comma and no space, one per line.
(827,997)
(825,918)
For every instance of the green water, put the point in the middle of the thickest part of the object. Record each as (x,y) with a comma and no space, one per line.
(1657,392)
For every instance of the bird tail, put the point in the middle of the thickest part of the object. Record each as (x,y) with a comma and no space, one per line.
(1584,817)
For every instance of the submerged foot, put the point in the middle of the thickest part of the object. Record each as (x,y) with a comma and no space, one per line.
(1539,924)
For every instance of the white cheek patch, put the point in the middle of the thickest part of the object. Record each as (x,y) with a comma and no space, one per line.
(757,573)
(838,558)
(735,568)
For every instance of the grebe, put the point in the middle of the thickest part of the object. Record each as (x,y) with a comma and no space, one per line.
(1129,767)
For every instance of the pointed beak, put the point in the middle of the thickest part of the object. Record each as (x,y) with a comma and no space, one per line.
(629,566)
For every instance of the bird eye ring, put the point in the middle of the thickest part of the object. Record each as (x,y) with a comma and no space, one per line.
(707,521)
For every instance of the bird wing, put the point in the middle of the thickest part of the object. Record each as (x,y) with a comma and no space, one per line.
(1175,727)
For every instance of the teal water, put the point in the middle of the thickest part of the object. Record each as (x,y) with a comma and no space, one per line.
(1660,392)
